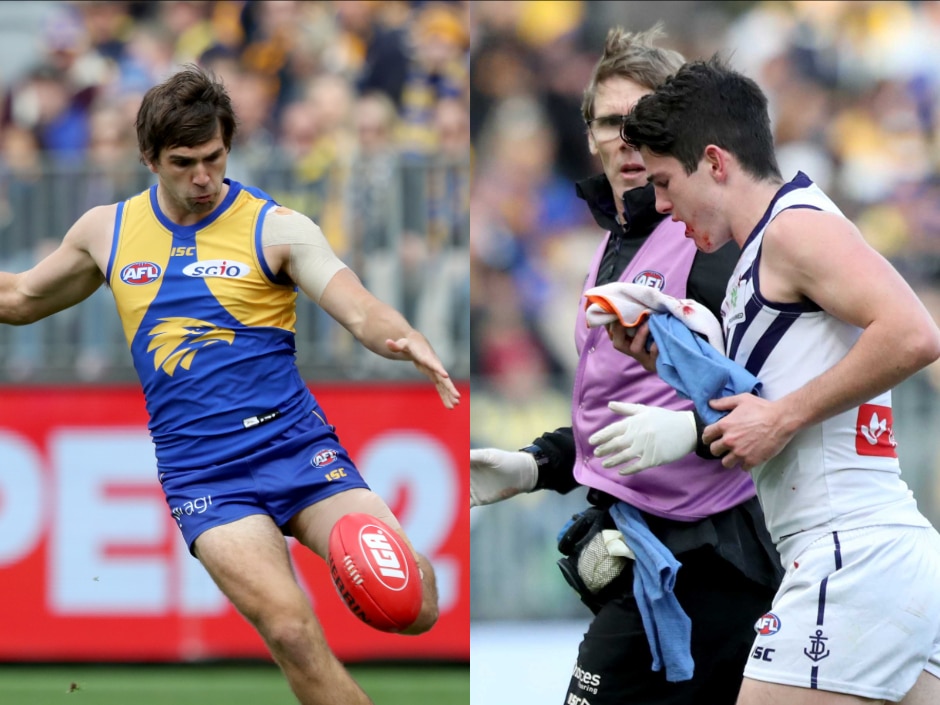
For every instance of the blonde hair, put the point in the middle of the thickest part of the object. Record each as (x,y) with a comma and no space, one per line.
(634,56)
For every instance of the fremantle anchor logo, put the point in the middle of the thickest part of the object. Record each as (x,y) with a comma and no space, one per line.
(817,650)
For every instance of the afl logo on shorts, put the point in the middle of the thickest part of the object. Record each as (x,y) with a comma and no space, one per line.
(140,273)
(324,457)
(767,625)
(649,278)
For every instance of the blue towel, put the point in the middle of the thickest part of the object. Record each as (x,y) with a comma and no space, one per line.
(668,627)
(695,369)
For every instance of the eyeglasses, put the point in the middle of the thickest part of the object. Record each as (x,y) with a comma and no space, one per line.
(607,127)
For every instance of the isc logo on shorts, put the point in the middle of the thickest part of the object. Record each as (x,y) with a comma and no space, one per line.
(767,625)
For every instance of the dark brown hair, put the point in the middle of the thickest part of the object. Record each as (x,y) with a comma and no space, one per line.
(185,110)
(706,102)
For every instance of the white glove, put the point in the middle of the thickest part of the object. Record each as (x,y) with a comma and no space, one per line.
(648,436)
(496,475)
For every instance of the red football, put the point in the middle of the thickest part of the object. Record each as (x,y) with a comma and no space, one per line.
(374,572)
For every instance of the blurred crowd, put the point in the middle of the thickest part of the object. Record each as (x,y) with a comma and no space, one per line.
(854,91)
(355,112)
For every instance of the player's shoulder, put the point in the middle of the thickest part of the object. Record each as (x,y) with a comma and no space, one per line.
(801,227)
(273,213)
(800,215)
(808,240)
(285,226)
(97,223)
(281,213)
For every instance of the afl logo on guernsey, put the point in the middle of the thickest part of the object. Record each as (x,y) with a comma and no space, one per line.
(140,273)
(649,278)
(222,268)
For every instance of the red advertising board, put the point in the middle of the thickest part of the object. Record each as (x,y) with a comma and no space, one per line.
(92,566)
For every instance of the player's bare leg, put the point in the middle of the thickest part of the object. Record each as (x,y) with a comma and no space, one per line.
(249,561)
(926,691)
(429,607)
(311,526)
(755,692)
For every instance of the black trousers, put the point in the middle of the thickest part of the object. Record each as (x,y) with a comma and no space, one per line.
(614,664)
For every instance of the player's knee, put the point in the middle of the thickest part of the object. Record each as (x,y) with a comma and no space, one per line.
(289,635)
(430,611)
(427,618)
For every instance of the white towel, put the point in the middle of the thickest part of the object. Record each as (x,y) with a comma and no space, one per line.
(631,305)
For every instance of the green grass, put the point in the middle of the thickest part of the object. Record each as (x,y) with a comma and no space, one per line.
(227,684)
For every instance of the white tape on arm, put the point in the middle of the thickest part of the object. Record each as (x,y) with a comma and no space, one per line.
(312,261)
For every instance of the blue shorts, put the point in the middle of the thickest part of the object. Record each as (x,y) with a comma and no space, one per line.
(303,465)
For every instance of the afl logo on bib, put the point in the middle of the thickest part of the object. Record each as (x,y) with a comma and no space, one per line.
(140,273)
(649,278)
(224,269)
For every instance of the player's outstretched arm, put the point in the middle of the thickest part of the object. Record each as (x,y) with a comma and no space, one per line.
(65,277)
(384,331)
(295,244)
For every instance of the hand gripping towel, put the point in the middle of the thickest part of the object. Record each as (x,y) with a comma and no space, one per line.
(689,337)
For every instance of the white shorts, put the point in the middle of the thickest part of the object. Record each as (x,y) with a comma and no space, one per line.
(858,612)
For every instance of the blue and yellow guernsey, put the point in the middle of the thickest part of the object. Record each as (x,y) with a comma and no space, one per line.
(209,326)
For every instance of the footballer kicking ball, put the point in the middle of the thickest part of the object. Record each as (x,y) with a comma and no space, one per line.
(374,572)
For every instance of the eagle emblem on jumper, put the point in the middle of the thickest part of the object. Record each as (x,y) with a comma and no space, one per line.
(175,341)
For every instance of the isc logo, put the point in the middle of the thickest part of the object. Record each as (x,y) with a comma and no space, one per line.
(762,653)
(385,559)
